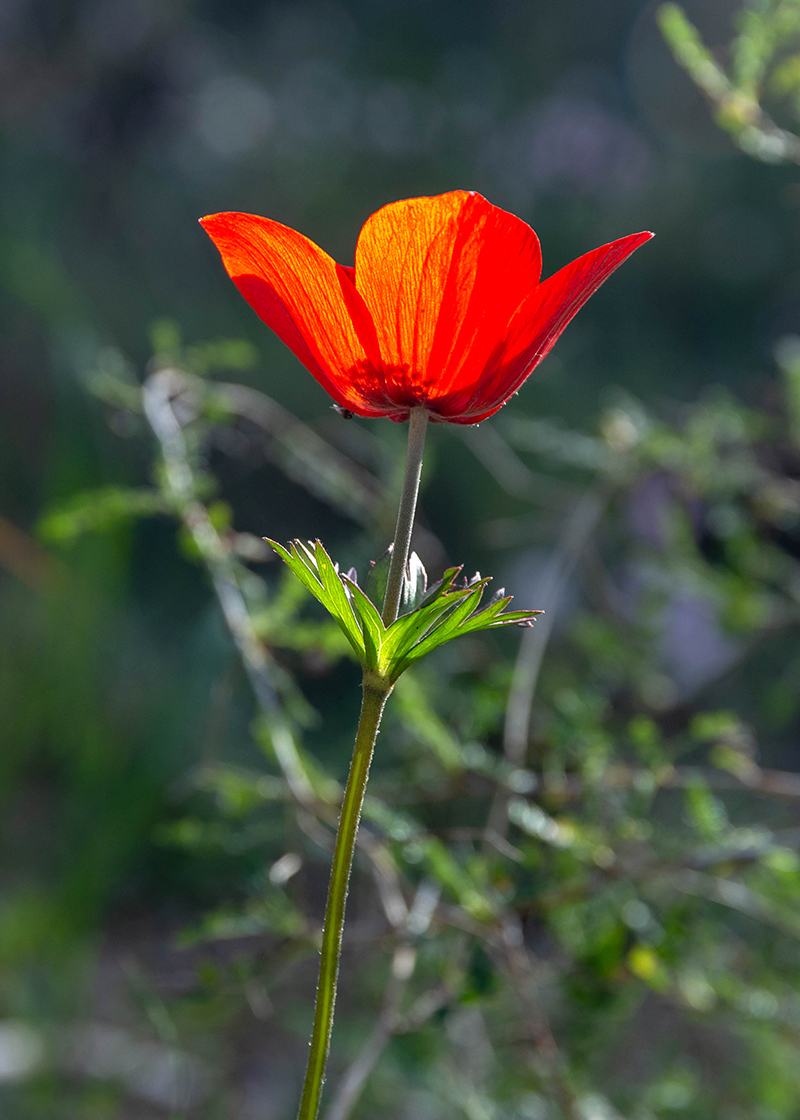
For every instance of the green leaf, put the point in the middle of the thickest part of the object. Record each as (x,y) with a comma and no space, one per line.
(316,572)
(411,628)
(444,611)
(492,617)
(461,621)
(373,630)
(375,585)
(450,624)
(342,607)
(441,587)
(415,581)
(300,569)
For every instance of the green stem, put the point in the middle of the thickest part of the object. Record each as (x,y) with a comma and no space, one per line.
(372,705)
(417,427)
(373,702)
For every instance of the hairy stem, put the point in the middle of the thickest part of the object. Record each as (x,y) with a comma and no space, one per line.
(372,706)
(417,427)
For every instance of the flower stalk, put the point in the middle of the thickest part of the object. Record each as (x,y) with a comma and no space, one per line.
(417,429)
(372,705)
(375,693)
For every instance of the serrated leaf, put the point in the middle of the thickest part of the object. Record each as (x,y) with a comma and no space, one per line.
(316,572)
(459,623)
(411,628)
(306,555)
(492,617)
(375,586)
(373,630)
(296,564)
(514,618)
(449,625)
(445,611)
(343,608)
(284,553)
(441,587)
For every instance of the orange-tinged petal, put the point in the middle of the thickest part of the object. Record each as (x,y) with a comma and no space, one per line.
(305,297)
(535,328)
(442,278)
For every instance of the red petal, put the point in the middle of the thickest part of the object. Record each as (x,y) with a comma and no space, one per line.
(442,278)
(306,298)
(536,326)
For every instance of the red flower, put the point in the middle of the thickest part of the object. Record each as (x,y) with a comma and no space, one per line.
(444,308)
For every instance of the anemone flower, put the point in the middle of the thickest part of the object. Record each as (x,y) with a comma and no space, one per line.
(442,318)
(444,310)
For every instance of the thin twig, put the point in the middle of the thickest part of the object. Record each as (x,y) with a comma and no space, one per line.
(579,527)
(577,531)
(160,393)
(304,456)
(390,1022)
(521,967)
(510,472)
(620,776)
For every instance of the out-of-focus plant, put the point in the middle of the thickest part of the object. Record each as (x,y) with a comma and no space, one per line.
(763,66)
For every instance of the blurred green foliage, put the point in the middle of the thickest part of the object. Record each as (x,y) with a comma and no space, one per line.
(764,63)
(576,891)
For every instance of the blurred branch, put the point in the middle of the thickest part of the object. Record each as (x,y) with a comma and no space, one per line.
(505,942)
(735,97)
(770,783)
(390,1022)
(579,527)
(160,393)
(576,533)
(304,456)
(521,967)
(509,471)
(736,895)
